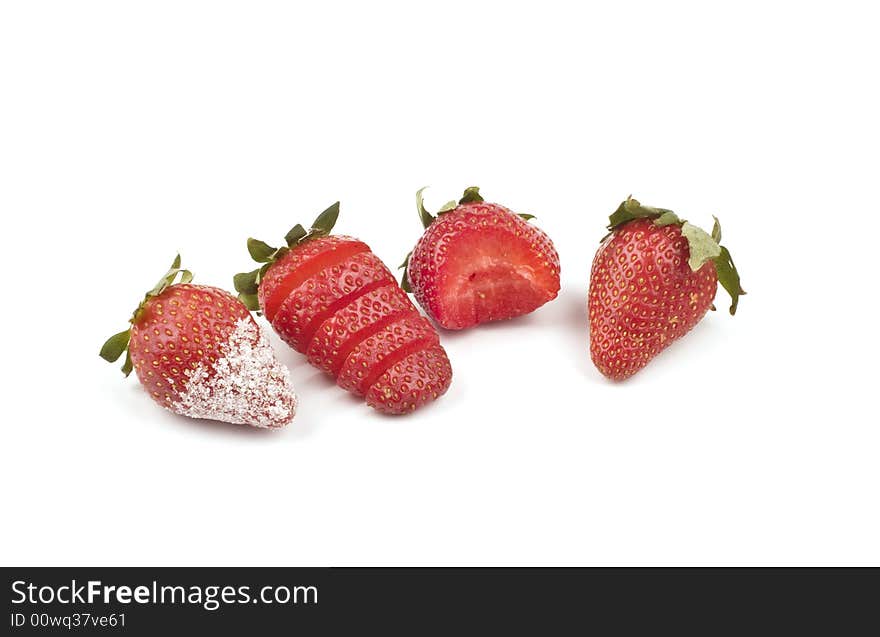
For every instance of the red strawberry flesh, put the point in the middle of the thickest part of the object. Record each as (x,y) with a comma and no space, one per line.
(487,278)
(481,262)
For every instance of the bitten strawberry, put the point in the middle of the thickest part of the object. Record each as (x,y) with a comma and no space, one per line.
(332,299)
(479,262)
(653,278)
(198,352)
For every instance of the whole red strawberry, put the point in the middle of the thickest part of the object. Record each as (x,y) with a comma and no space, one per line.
(198,352)
(331,298)
(479,262)
(653,278)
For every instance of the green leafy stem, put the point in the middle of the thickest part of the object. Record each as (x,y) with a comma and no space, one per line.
(247,283)
(114,346)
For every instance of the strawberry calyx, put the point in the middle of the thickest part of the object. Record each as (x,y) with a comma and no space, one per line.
(471,195)
(404,278)
(114,346)
(247,283)
(703,246)
(427,218)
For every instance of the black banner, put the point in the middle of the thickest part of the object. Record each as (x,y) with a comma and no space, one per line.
(264,601)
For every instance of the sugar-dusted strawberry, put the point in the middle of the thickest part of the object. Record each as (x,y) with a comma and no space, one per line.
(331,298)
(479,262)
(198,352)
(653,278)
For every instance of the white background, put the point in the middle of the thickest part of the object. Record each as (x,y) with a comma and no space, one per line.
(129,131)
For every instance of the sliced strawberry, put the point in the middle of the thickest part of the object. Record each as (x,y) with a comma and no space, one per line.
(296,266)
(406,385)
(373,355)
(334,300)
(323,293)
(364,316)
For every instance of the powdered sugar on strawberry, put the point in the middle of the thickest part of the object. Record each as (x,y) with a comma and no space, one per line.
(247,385)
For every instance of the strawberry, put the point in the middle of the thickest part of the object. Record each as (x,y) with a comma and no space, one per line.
(198,352)
(330,298)
(479,262)
(653,278)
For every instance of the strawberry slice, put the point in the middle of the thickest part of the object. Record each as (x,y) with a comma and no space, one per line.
(373,355)
(363,317)
(406,385)
(302,264)
(323,293)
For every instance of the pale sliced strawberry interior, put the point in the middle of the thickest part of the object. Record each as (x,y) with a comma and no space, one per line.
(492,277)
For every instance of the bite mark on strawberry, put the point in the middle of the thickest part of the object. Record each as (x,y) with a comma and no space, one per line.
(479,262)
